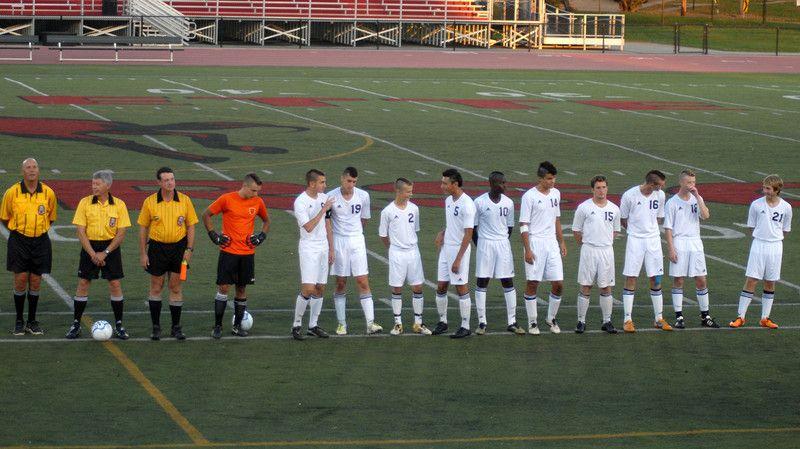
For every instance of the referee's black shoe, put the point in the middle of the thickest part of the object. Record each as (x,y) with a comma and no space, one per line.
(216,333)
(19,328)
(461,333)
(441,327)
(297,333)
(177,332)
(318,332)
(156,335)
(33,328)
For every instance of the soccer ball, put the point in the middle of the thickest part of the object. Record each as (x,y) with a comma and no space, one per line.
(247,321)
(101,330)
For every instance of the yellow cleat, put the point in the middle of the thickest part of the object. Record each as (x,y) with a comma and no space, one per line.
(420,329)
(397,329)
(663,325)
(768,323)
(628,327)
(738,322)
(341,329)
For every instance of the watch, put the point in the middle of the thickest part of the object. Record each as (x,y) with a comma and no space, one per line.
(190,249)
(107,251)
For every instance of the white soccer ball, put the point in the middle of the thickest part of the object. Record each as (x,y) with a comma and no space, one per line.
(101,330)
(247,321)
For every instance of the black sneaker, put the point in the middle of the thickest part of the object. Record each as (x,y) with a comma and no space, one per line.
(177,333)
(216,333)
(297,334)
(679,323)
(74,331)
(19,328)
(608,327)
(580,328)
(238,331)
(318,332)
(156,335)
(707,321)
(441,327)
(461,333)
(121,333)
(33,328)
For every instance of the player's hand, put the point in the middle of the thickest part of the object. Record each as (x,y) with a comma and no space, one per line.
(219,239)
(439,240)
(456,266)
(563,249)
(673,256)
(257,239)
(331,257)
(694,191)
(96,260)
(529,257)
(144,261)
(328,204)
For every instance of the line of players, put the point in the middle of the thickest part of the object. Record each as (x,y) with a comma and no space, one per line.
(331,237)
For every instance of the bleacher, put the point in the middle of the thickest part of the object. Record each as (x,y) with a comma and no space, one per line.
(51,7)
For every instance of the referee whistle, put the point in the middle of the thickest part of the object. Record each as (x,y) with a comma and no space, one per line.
(184,270)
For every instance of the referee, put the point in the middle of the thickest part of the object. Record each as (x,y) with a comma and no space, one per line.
(166,238)
(28,209)
(102,220)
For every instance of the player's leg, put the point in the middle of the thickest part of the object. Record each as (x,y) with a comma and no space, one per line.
(227,269)
(20,287)
(415,277)
(554,272)
(485,268)
(701,288)
(398,273)
(677,300)
(584,295)
(654,267)
(465,307)
(755,271)
(657,298)
(510,297)
(315,303)
(367,304)
(533,276)
(481,284)
(154,303)
(443,277)
(340,303)
(80,300)
(239,307)
(587,274)
(772,273)
(397,310)
(767,298)
(175,286)
(34,284)
(634,259)
(341,270)
(117,306)
(606,279)
(606,307)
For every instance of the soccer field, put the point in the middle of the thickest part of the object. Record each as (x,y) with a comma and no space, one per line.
(693,388)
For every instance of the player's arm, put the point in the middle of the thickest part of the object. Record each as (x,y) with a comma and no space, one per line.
(329,235)
(475,235)
(787,222)
(383,229)
(624,210)
(673,255)
(523,232)
(705,214)
(577,226)
(322,214)
(465,241)
(560,237)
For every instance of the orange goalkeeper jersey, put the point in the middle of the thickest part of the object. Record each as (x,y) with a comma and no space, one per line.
(238,220)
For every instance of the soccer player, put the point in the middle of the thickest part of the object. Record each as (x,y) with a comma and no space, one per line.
(595,225)
(454,250)
(642,209)
(398,231)
(686,257)
(28,210)
(237,247)
(315,249)
(102,221)
(494,222)
(770,217)
(166,241)
(349,215)
(543,241)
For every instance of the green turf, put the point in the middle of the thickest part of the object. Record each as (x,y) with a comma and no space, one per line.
(414,392)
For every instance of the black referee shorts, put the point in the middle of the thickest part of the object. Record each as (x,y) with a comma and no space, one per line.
(165,257)
(29,254)
(236,269)
(111,271)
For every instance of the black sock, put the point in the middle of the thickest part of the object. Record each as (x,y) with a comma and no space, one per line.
(155,312)
(239,306)
(117,306)
(678,314)
(19,304)
(219,311)
(33,302)
(704,314)
(80,306)
(175,313)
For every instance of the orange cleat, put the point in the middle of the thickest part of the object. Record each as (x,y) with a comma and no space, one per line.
(738,322)
(628,327)
(766,322)
(663,325)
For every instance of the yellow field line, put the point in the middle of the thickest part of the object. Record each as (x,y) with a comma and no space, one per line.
(434,441)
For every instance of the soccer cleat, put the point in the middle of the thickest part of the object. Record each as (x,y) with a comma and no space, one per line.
(768,323)
(679,323)
(216,333)
(441,327)
(707,321)
(120,332)
(481,330)
(554,329)
(341,329)
(156,335)
(461,333)
(628,327)
(19,328)
(608,327)
(177,333)
(738,322)
(420,329)
(33,328)
(318,332)
(74,331)
(238,331)
(580,327)
(662,324)
(397,329)
(515,329)
(533,329)
(297,334)
(373,328)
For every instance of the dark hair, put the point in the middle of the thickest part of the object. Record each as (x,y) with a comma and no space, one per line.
(454,176)
(252,178)
(653,176)
(312,175)
(400,182)
(546,168)
(351,171)
(163,170)
(598,178)
(496,175)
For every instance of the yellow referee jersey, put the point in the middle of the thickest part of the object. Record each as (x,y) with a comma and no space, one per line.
(167,220)
(30,214)
(101,220)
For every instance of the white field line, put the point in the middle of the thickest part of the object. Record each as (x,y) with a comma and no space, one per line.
(571,173)
(94,114)
(521,173)
(617,172)
(549,97)
(266,171)
(214,171)
(421,172)
(159,143)
(26,86)
(770,89)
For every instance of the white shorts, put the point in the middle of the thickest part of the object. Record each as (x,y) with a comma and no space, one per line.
(447,255)
(350,256)
(493,259)
(647,251)
(596,266)
(547,264)
(691,259)
(313,263)
(405,266)
(765,260)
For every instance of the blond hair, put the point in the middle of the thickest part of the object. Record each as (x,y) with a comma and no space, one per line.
(687,172)
(775,182)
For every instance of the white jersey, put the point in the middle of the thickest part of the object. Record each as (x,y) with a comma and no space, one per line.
(494,219)
(683,217)
(540,211)
(400,225)
(306,208)
(769,223)
(597,224)
(459,215)
(642,212)
(346,215)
